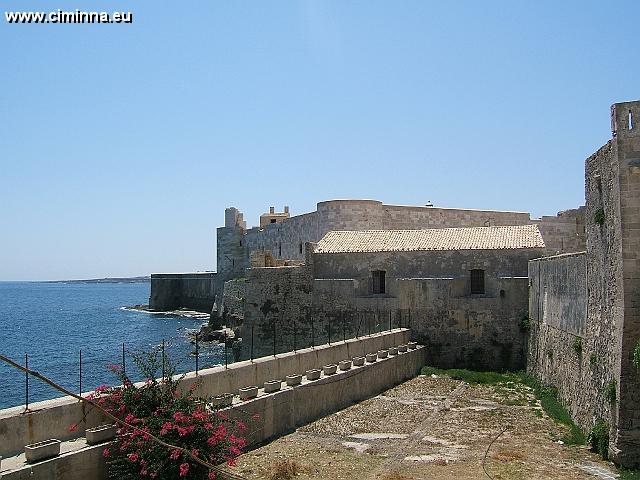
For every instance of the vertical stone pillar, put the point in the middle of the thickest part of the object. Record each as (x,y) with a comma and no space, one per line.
(625,446)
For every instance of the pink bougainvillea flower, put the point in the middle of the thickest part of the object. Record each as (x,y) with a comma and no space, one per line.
(184,469)
(133,457)
(114,367)
(175,454)
(73,427)
(106,453)
(237,441)
(255,416)
(212,475)
(241,426)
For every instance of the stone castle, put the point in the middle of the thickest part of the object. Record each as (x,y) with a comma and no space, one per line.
(480,289)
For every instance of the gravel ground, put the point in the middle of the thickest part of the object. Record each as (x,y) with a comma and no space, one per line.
(427,428)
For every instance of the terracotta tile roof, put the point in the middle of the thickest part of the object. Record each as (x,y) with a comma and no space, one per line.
(473,238)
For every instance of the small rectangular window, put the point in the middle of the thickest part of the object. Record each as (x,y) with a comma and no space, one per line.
(273,220)
(477,281)
(378,277)
(300,247)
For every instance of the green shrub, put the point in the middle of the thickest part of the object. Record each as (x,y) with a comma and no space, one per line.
(629,474)
(593,359)
(548,397)
(598,217)
(610,391)
(599,439)
(469,376)
(577,345)
(525,323)
(636,355)
(550,354)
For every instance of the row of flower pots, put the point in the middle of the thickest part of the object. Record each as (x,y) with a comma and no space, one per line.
(51,448)
(270,386)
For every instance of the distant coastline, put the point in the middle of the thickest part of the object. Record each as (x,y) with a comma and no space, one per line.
(145,279)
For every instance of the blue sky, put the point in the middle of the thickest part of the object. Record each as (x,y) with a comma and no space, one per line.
(121,145)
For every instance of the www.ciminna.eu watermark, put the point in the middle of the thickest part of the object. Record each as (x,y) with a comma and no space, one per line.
(62,16)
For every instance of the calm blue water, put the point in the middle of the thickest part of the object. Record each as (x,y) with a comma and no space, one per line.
(53,321)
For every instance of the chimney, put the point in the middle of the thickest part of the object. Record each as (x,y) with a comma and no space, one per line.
(286,209)
(272,210)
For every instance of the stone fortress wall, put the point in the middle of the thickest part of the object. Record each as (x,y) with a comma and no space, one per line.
(593,299)
(171,291)
(285,240)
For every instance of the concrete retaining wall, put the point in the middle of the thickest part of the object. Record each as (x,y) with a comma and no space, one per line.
(52,418)
(280,412)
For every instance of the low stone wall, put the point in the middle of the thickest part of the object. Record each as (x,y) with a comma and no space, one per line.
(280,412)
(52,418)
(170,291)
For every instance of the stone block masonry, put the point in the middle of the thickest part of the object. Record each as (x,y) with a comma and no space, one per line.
(194,291)
(286,240)
(585,309)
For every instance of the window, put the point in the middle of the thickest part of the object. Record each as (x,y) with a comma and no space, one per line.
(280,249)
(477,281)
(273,220)
(378,283)
(300,247)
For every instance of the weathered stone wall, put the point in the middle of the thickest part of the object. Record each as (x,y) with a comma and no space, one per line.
(234,298)
(562,233)
(626,443)
(565,232)
(170,291)
(432,291)
(329,299)
(278,300)
(558,305)
(612,276)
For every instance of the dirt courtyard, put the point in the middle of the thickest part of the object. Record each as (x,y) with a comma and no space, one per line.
(431,427)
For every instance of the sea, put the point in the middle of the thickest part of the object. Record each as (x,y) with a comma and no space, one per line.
(54,323)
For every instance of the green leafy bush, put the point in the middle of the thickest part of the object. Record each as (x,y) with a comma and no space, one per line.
(469,376)
(159,408)
(599,439)
(636,355)
(577,345)
(525,323)
(598,216)
(610,391)
(548,397)
(593,359)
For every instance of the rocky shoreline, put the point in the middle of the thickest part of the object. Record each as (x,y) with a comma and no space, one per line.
(206,333)
(181,312)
